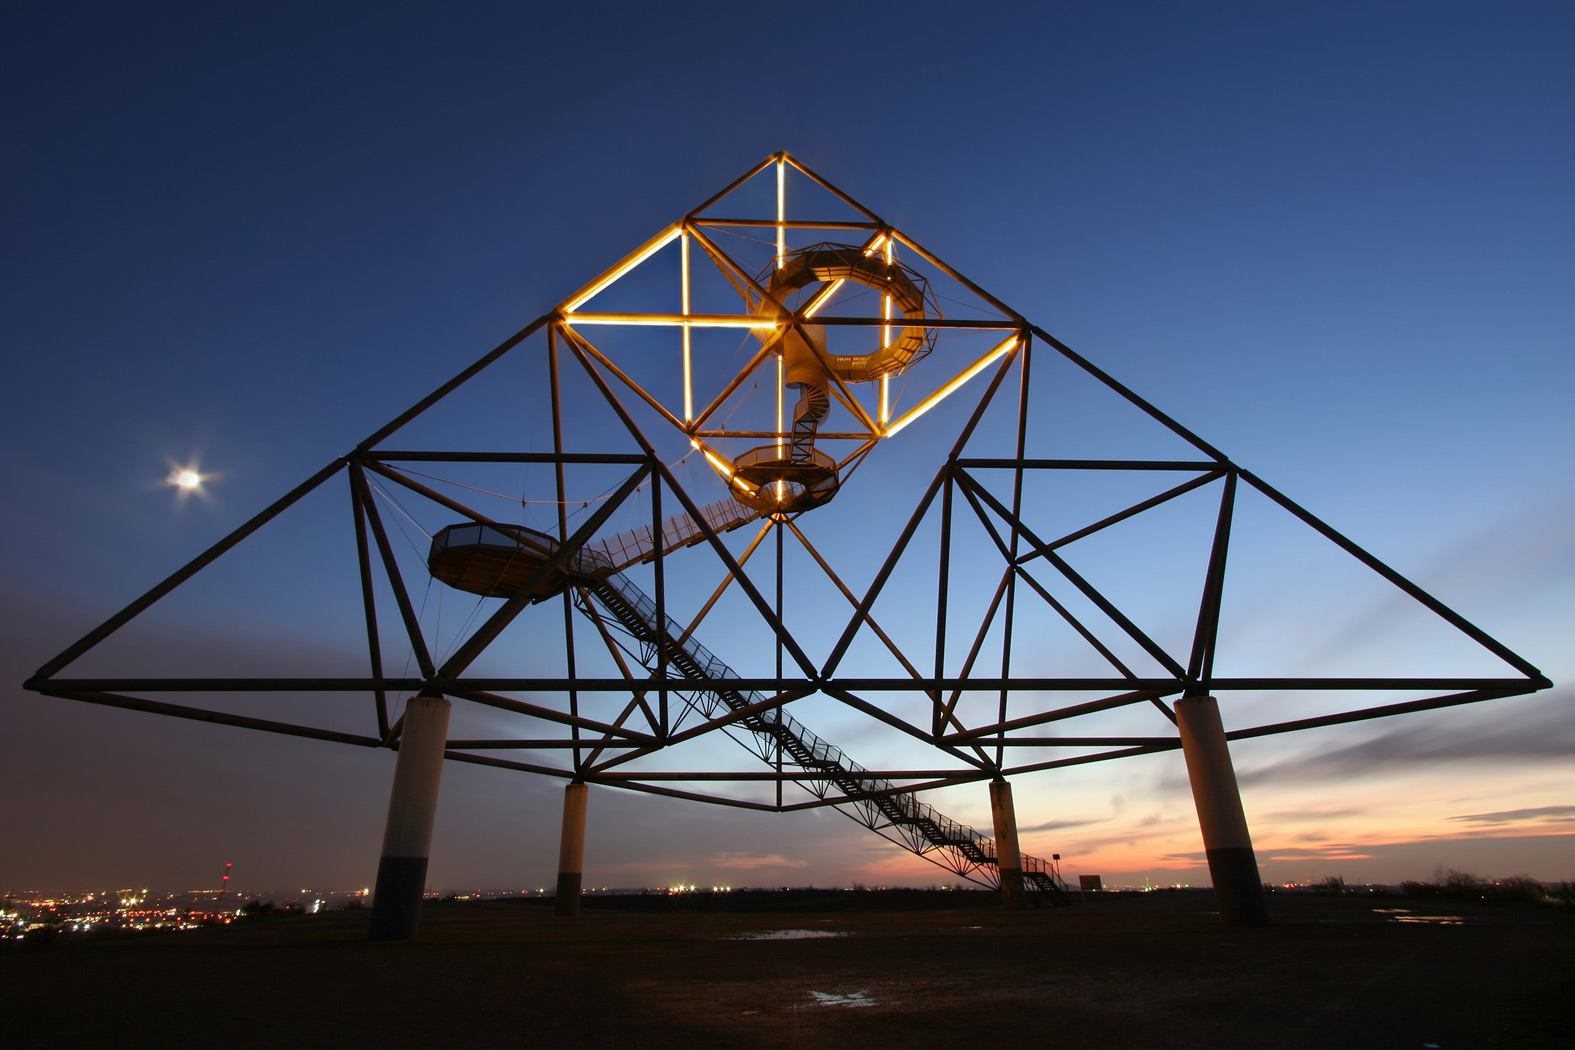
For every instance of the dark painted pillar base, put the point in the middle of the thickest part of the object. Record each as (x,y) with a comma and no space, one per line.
(568,903)
(1011,888)
(396,899)
(1238,888)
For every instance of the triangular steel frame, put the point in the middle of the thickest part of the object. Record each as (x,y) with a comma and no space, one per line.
(651,721)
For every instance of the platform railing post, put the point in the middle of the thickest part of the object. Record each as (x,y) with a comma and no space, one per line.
(1238,888)
(571,850)
(412,810)
(1007,856)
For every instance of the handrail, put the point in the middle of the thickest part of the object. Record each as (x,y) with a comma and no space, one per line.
(692,659)
(638,544)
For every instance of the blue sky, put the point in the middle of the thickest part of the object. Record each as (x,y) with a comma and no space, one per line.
(1333,239)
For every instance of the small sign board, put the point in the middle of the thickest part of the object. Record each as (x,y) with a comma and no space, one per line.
(1089,883)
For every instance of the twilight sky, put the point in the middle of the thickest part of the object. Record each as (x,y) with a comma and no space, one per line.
(1335,240)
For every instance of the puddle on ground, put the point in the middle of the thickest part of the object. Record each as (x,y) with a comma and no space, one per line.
(1432,920)
(858,998)
(1407,915)
(784,935)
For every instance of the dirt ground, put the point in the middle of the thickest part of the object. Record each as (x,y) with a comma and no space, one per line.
(1123,970)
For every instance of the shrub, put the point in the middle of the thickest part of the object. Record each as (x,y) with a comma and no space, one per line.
(1520,888)
(1463,884)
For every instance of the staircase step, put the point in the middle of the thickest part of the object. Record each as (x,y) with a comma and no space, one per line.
(693,661)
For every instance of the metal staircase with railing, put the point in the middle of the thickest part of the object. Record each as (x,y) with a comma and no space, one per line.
(496,560)
(640,544)
(778,737)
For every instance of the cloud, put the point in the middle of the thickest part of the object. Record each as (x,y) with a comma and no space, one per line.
(1055,825)
(1315,853)
(1288,853)
(743,862)
(1542,730)
(1128,836)
(642,867)
(1293,815)
(1555,814)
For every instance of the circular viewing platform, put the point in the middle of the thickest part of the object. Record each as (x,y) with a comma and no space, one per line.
(804,483)
(497,560)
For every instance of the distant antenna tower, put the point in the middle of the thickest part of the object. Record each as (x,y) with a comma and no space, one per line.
(224,886)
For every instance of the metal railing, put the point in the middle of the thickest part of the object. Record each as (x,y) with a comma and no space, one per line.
(640,544)
(634,610)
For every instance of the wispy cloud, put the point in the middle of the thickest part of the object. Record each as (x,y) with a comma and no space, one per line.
(1544,731)
(642,867)
(1294,815)
(1287,853)
(1190,858)
(1129,836)
(1541,814)
(1315,853)
(1056,825)
(744,862)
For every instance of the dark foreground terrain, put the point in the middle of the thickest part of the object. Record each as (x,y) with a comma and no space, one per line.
(1123,970)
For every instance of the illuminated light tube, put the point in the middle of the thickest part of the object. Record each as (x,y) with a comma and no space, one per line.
(661,242)
(689,402)
(675,320)
(876,244)
(824,297)
(723,466)
(781,214)
(940,395)
(885,329)
(781,390)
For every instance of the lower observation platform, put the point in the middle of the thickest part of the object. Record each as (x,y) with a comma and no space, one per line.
(782,484)
(497,560)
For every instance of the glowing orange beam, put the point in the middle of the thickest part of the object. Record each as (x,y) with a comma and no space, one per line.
(689,403)
(722,466)
(940,395)
(781,390)
(655,245)
(885,341)
(823,296)
(781,214)
(675,320)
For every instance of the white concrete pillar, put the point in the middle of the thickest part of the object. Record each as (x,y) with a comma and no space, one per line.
(571,850)
(412,809)
(1226,841)
(1007,856)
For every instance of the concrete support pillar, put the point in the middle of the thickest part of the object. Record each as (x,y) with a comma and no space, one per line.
(412,808)
(1007,856)
(1237,886)
(571,850)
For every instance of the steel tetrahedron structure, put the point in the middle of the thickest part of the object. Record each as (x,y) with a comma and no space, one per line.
(785,427)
